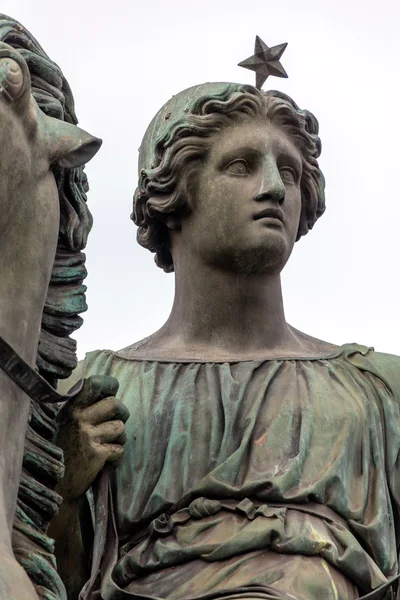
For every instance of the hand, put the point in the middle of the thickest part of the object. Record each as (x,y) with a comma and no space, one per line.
(91,434)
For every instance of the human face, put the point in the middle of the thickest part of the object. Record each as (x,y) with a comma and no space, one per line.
(246,200)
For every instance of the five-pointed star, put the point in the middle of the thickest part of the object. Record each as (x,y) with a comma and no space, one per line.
(265,62)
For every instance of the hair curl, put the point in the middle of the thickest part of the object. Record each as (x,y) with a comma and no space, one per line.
(164,188)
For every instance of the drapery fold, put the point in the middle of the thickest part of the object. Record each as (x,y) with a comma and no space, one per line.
(279,473)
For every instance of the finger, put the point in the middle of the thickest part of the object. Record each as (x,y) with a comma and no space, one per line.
(108,409)
(122,439)
(95,388)
(114,454)
(108,432)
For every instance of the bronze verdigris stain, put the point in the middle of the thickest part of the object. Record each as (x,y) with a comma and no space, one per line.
(259,462)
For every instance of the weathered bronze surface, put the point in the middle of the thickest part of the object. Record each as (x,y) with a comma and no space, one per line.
(44,223)
(265,61)
(259,462)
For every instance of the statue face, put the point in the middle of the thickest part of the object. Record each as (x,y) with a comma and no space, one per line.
(246,200)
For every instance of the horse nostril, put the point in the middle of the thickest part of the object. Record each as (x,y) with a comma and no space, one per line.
(11,78)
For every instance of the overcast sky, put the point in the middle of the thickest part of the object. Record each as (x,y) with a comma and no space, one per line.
(124,59)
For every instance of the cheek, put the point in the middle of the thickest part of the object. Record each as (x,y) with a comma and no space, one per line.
(48,207)
(220,207)
(207,204)
(294,206)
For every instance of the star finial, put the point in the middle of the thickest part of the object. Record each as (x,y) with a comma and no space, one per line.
(265,62)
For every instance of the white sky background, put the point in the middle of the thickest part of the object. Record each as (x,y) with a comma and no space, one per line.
(124,59)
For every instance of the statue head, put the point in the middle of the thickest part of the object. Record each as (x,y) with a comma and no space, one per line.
(66,294)
(178,141)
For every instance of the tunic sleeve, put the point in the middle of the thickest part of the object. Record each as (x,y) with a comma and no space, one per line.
(385,369)
(389,368)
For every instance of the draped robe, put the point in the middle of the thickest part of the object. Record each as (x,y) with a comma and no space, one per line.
(251,479)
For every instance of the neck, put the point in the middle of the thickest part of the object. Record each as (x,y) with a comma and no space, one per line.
(226,314)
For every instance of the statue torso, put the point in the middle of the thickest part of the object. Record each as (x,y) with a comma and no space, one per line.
(297,446)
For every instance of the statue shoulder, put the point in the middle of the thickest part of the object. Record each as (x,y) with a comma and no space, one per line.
(387,368)
(137,350)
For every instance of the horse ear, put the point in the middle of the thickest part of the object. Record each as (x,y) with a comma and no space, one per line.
(68,145)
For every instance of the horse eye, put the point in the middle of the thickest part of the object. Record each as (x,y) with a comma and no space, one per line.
(238,167)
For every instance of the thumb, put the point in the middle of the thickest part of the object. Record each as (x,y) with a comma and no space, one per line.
(95,388)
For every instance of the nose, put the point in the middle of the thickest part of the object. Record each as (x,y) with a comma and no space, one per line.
(271,185)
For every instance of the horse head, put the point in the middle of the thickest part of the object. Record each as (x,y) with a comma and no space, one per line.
(34,149)
(32,145)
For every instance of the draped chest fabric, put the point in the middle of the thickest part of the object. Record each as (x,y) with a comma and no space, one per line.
(229,466)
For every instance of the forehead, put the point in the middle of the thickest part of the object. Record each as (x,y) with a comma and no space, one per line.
(255,134)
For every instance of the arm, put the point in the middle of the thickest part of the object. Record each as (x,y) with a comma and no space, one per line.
(69,549)
(91,434)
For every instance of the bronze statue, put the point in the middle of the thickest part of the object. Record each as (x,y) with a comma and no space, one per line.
(44,224)
(259,462)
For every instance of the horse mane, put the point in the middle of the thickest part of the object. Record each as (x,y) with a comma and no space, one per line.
(66,293)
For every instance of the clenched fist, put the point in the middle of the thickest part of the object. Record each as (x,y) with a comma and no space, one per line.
(91,434)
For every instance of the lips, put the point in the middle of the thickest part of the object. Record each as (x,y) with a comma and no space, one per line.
(269,213)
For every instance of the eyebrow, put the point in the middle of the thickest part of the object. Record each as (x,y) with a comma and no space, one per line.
(241,151)
(254,153)
(290,157)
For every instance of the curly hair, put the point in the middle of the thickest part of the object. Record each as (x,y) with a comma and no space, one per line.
(164,188)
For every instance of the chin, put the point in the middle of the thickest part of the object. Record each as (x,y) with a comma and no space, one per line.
(267,256)
(257,259)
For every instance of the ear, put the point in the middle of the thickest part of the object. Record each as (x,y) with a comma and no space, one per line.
(172,222)
(68,145)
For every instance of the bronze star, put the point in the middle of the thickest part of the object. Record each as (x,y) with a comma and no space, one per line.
(265,61)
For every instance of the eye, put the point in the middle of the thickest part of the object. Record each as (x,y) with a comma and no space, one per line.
(288,175)
(238,167)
